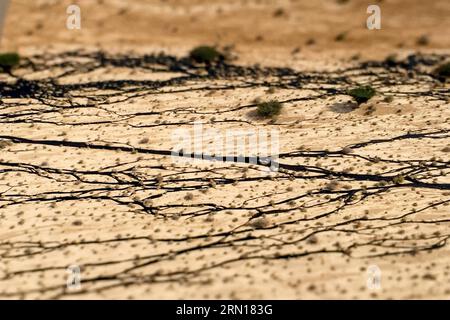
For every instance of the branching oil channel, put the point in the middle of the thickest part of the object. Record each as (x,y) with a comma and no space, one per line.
(87,177)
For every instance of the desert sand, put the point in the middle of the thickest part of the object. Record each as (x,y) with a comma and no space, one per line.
(87,125)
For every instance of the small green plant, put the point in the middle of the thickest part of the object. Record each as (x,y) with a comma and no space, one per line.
(423,40)
(271,90)
(398,179)
(9,60)
(388,99)
(205,54)
(443,71)
(341,36)
(391,60)
(362,94)
(5,144)
(269,109)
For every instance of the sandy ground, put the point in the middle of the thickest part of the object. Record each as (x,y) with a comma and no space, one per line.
(88,117)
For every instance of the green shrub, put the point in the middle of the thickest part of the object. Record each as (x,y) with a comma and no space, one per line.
(341,36)
(9,60)
(423,40)
(269,109)
(398,179)
(205,54)
(443,70)
(391,60)
(362,94)
(388,99)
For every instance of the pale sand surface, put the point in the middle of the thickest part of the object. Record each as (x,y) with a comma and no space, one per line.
(143,226)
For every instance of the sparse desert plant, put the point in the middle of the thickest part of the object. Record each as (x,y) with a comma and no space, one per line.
(269,109)
(189,196)
(9,60)
(332,185)
(4,144)
(388,99)
(257,100)
(391,60)
(362,93)
(271,90)
(341,37)
(205,54)
(442,71)
(423,40)
(398,179)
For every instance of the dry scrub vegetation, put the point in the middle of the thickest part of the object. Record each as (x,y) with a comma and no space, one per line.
(86,178)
